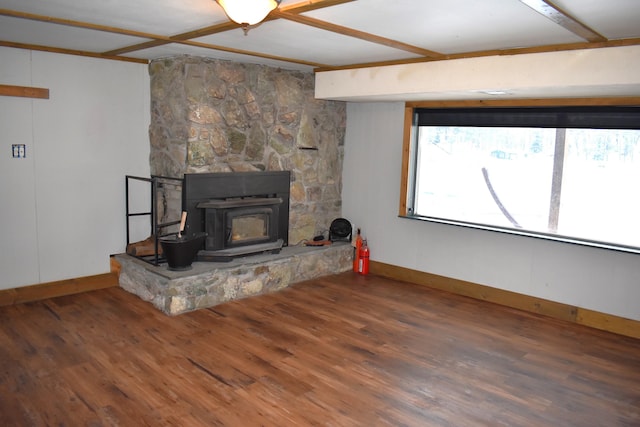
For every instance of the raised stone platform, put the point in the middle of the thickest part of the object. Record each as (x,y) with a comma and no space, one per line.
(210,283)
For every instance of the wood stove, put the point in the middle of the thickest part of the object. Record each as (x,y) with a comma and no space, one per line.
(241,212)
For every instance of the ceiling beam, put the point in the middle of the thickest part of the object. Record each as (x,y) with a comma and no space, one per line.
(40,48)
(178,38)
(292,13)
(492,52)
(310,5)
(550,11)
(350,32)
(156,39)
(155,43)
(241,52)
(305,6)
(77,24)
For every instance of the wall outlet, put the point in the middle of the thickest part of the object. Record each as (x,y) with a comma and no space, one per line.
(19,151)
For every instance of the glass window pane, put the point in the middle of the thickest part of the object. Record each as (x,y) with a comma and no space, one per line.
(504,177)
(478,174)
(601,185)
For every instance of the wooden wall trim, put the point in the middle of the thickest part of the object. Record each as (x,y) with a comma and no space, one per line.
(24,91)
(582,316)
(57,289)
(608,322)
(406,158)
(533,102)
(408,135)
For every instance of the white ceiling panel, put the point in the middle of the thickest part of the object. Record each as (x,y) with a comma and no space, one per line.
(289,39)
(319,33)
(60,36)
(165,17)
(444,26)
(614,19)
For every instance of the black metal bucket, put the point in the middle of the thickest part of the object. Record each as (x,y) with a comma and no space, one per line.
(181,252)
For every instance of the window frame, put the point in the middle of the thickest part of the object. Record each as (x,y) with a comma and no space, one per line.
(407,184)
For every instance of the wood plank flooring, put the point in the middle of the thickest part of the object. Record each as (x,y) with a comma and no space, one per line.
(344,350)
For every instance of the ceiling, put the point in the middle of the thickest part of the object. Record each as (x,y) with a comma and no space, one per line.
(321,34)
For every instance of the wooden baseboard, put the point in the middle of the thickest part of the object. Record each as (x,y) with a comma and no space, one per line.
(594,319)
(115,265)
(57,289)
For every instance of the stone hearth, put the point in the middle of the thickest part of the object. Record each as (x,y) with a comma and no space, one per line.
(210,283)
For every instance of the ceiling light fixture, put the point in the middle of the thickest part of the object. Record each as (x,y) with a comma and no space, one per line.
(247,12)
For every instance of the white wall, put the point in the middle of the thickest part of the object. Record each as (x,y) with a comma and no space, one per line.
(601,280)
(63,207)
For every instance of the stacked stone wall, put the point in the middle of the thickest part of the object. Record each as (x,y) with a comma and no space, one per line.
(218,116)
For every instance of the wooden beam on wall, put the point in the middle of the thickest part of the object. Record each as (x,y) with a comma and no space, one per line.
(24,91)
(406,159)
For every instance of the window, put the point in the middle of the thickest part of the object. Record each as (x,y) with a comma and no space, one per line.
(570,174)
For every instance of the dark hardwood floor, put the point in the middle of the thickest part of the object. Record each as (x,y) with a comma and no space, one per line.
(344,350)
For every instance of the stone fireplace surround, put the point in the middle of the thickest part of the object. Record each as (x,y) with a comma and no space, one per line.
(210,116)
(220,116)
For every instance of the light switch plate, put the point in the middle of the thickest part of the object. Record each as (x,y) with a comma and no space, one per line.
(18,151)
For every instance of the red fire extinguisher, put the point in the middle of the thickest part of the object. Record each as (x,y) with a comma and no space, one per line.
(363,258)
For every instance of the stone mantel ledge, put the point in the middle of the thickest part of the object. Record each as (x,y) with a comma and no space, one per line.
(210,283)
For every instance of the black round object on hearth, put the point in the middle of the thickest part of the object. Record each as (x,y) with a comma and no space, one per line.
(340,230)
